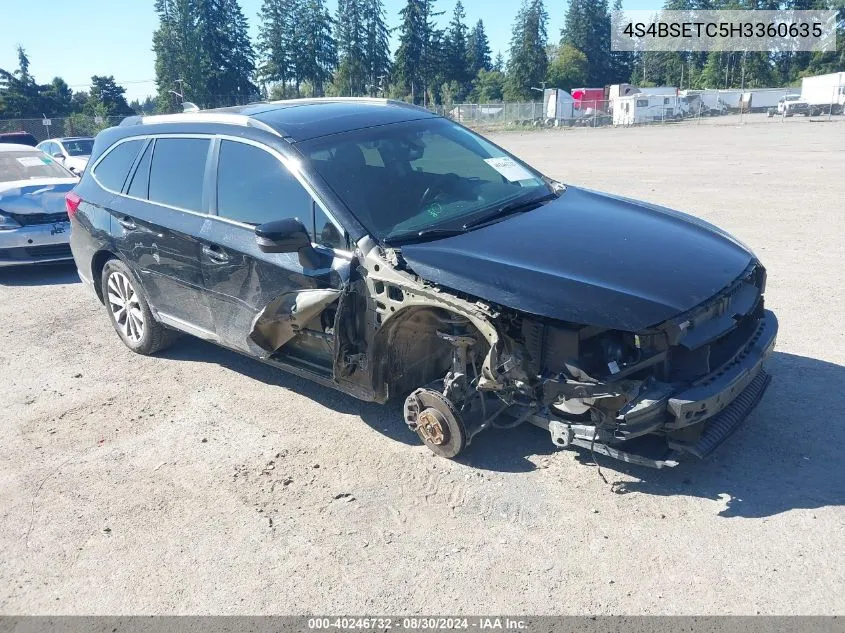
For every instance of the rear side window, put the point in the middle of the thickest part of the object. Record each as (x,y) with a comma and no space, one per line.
(254,187)
(141,180)
(111,172)
(178,171)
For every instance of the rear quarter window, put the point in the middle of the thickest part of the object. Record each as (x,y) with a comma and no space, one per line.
(112,170)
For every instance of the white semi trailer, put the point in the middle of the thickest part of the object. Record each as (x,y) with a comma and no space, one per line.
(824,93)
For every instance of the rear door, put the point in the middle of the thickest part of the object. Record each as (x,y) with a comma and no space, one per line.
(158,223)
(248,287)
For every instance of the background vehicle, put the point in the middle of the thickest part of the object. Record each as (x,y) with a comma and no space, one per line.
(790,105)
(18,138)
(824,93)
(73,151)
(377,248)
(34,224)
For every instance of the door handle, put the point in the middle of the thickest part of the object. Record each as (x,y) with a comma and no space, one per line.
(127,223)
(215,254)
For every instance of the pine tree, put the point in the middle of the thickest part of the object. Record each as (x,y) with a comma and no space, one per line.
(279,44)
(241,56)
(376,45)
(179,54)
(318,56)
(478,49)
(528,61)
(414,38)
(350,36)
(18,90)
(587,28)
(621,62)
(227,56)
(457,68)
(106,97)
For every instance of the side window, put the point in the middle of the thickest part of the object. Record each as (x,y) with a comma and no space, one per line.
(177,172)
(140,186)
(325,232)
(111,172)
(254,187)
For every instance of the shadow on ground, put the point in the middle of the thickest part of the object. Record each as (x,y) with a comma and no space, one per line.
(497,450)
(39,275)
(787,455)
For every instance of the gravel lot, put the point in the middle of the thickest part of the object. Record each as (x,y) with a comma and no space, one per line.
(203,482)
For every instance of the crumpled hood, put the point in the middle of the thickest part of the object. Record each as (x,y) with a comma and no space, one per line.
(42,195)
(588,258)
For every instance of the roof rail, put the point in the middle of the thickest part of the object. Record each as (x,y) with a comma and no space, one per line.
(206,116)
(352,99)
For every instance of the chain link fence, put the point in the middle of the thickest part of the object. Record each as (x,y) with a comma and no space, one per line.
(696,106)
(691,106)
(55,127)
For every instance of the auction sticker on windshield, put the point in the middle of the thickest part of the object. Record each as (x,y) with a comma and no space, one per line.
(33,161)
(509,168)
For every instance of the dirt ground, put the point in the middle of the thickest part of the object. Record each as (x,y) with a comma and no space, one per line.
(200,481)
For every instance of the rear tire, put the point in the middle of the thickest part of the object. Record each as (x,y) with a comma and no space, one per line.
(129,311)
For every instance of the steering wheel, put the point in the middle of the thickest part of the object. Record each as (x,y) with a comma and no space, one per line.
(427,197)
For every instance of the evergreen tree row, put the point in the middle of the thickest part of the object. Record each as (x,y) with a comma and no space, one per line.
(204,54)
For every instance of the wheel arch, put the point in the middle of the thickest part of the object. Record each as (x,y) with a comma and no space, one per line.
(408,353)
(98,262)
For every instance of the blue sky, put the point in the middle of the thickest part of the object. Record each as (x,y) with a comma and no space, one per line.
(75,40)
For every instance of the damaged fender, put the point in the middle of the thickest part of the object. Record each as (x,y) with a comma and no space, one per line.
(284,317)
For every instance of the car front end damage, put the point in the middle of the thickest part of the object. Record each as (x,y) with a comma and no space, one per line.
(646,397)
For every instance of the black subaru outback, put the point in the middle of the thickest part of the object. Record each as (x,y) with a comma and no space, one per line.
(382,250)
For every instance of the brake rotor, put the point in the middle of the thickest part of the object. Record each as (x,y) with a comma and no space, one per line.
(436,421)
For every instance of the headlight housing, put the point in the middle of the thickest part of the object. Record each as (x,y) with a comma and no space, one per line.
(8,223)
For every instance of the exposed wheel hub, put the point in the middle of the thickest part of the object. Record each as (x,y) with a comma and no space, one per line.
(437,422)
(432,427)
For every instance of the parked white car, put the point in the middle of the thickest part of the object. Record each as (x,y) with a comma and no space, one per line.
(73,151)
(34,226)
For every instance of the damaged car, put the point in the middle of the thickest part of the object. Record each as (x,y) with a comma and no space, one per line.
(379,249)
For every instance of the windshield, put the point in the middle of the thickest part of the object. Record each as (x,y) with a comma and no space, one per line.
(28,165)
(419,176)
(79,147)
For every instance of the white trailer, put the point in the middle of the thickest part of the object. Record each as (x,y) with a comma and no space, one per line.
(660,90)
(761,99)
(558,105)
(643,108)
(705,102)
(621,90)
(824,93)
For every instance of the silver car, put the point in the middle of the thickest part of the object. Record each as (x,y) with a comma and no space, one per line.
(34,225)
(73,151)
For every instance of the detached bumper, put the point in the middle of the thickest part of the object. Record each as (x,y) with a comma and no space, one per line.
(35,244)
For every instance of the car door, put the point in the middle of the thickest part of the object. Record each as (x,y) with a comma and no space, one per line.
(248,288)
(158,225)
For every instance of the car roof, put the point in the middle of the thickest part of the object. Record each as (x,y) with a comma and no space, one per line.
(17,147)
(68,138)
(301,119)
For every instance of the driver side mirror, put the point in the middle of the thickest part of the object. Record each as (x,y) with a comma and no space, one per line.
(59,156)
(287,236)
